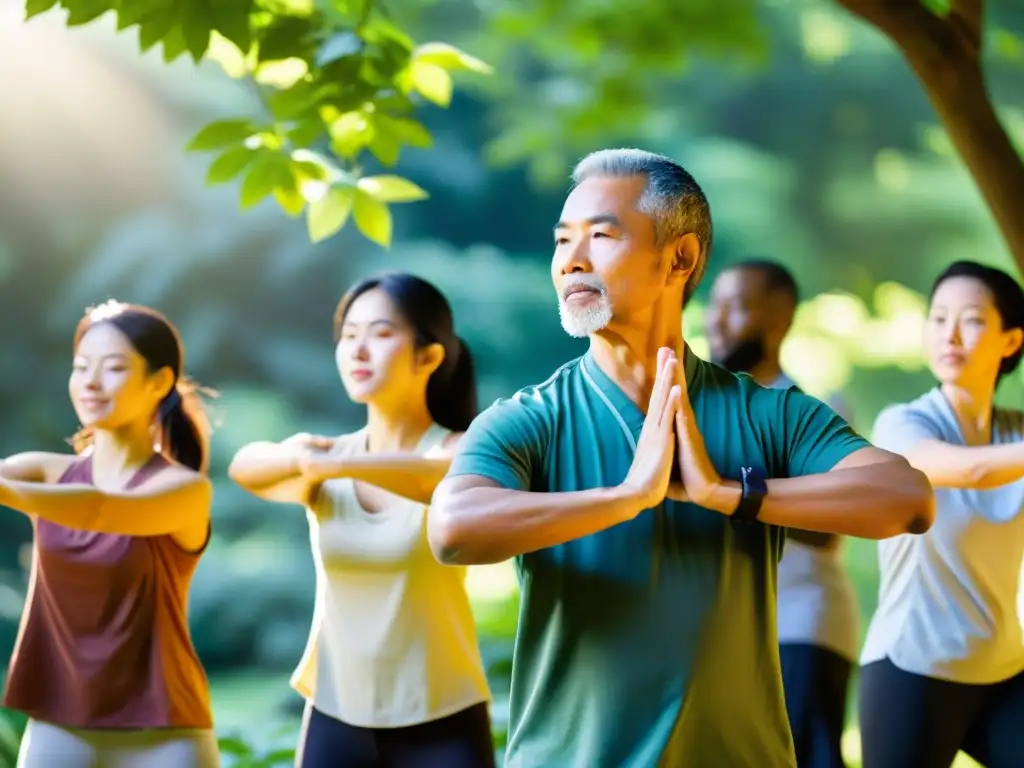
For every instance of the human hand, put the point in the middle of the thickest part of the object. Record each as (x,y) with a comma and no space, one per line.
(648,477)
(701,482)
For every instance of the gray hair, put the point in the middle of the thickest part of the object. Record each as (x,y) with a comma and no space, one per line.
(673,198)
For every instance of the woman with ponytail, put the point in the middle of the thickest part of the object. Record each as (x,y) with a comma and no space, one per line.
(392,673)
(104,665)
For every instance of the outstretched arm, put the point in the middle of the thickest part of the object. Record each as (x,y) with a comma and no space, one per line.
(909,433)
(871,494)
(408,474)
(291,471)
(174,501)
(837,482)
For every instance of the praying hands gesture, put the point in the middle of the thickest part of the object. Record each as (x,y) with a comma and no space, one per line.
(670,434)
(701,484)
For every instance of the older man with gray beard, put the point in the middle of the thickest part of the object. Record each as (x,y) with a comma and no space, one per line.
(646,631)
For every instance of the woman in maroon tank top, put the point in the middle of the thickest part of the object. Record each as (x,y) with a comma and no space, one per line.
(104,665)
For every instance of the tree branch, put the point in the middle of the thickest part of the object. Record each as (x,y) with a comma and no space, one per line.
(968,18)
(943,51)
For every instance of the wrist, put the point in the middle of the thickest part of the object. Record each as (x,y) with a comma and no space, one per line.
(726,497)
(628,500)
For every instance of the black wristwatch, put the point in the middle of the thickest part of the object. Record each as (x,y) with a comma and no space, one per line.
(755,488)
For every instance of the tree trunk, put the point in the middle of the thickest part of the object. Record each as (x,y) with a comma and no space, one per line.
(943,52)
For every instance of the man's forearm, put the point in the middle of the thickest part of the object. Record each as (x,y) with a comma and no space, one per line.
(874,501)
(483,525)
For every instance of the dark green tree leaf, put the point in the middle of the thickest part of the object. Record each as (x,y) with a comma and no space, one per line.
(83,11)
(231,20)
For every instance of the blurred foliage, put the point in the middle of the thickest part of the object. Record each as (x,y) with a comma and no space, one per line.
(335,75)
(341,79)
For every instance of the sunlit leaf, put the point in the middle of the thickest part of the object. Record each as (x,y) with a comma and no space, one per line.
(229,165)
(392,189)
(221,134)
(350,133)
(328,215)
(432,82)
(450,58)
(267,171)
(290,199)
(373,218)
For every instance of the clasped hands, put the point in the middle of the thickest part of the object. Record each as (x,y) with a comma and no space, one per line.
(670,434)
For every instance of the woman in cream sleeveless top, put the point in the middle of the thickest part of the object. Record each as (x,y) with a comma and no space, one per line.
(942,669)
(392,672)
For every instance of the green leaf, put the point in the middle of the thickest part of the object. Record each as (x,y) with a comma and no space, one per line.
(174,44)
(385,148)
(329,214)
(196,25)
(433,83)
(267,171)
(450,58)
(83,11)
(231,19)
(234,746)
(35,7)
(287,37)
(405,130)
(221,134)
(373,218)
(155,26)
(350,133)
(228,165)
(291,200)
(392,189)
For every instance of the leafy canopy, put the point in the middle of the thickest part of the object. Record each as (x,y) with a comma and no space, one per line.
(337,80)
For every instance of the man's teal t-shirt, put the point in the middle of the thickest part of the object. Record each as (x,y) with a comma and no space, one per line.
(651,643)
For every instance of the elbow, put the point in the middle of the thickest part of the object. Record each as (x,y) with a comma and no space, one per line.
(449,537)
(916,513)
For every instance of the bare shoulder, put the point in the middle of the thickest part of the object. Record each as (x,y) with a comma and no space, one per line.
(36,466)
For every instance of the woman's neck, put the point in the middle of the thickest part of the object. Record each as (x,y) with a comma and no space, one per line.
(121,451)
(397,429)
(973,410)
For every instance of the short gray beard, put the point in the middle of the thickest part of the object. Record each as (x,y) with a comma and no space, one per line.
(580,322)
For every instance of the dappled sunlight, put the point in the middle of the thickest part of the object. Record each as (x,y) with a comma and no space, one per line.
(834,333)
(66,141)
(491,583)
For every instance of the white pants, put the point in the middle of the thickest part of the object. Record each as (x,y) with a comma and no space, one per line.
(48,746)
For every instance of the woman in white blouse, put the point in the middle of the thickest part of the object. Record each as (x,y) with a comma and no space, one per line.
(942,667)
(392,673)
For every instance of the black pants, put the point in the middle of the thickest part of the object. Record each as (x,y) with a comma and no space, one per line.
(816,681)
(910,720)
(462,740)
